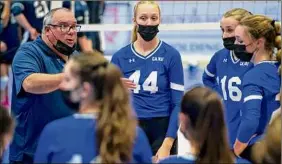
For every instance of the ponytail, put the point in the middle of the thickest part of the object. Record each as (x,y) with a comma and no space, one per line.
(207,129)
(261,26)
(212,135)
(134,34)
(115,123)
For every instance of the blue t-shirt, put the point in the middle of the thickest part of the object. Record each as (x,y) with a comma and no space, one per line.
(73,140)
(159,79)
(224,74)
(34,111)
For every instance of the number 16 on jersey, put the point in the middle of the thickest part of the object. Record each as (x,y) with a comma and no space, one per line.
(234,92)
(150,84)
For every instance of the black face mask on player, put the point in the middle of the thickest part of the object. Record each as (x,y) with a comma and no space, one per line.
(148,32)
(228,43)
(241,53)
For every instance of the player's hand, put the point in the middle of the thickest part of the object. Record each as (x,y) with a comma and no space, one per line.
(162,153)
(33,33)
(128,83)
(154,159)
(239,146)
(164,150)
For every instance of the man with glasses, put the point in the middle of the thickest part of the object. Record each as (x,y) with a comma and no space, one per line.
(37,73)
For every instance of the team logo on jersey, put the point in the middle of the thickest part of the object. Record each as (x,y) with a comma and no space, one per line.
(244,63)
(225,60)
(131,60)
(157,59)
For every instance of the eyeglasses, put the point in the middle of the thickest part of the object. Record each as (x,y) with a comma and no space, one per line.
(67,28)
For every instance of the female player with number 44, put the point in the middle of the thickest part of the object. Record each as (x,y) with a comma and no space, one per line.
(156,69)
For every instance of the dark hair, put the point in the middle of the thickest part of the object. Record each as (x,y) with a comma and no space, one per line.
(205,112)
(6,127)
(116,124)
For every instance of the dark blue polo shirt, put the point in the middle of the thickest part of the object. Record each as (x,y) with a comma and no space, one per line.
(34,111)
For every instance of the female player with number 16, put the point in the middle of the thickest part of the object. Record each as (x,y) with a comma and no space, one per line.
(225,71)
(156,69)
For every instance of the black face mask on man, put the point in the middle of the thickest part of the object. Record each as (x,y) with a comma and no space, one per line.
(148,32)
(228,43)
(62,47)
(241,53)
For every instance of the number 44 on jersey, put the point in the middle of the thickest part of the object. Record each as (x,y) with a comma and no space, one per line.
(150,84)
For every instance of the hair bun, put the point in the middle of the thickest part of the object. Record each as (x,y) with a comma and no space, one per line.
(273,23)
(278,42)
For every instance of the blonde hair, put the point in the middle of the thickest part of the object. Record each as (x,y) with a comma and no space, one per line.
(116,124)
(134,31)
(260,26)
(237,13)
(269,149)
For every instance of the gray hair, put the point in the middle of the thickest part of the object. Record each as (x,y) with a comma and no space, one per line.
(49,16)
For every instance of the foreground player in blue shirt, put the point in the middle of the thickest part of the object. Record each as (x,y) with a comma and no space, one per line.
(225,71)
(104,129)
(156,69)
(202,123)
(256,38)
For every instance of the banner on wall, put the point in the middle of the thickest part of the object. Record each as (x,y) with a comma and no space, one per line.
(204,43)
(116,13)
